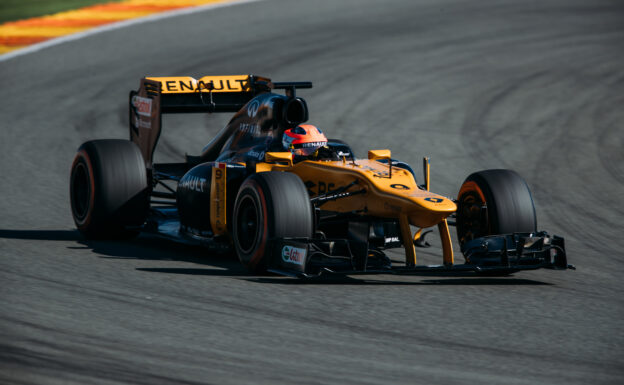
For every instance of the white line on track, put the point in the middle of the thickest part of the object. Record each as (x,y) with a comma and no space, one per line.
(118,25)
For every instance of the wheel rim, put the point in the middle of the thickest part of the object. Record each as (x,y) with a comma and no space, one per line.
(248,224)
(80,191)
(473,222)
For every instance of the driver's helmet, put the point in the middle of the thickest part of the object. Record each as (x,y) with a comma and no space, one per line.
(303,140)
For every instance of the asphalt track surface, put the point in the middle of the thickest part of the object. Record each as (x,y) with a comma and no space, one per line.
(533,86)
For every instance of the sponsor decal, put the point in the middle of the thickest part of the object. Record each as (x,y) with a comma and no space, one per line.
(194,231)
(391,239)
(142,105)
(312,144)
(434,200)
(218,199)
(399,186)
(252,108)
(187,84)
(193,183)
(340,153)
(321,187)
(256,154)
(294,255)
(325,187)
(249,128)
(232,83)
(377,173)
(142,123)
(309,184)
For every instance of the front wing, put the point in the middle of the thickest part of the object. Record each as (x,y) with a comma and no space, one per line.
(496,255)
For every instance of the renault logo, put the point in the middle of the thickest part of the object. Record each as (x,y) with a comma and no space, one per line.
(252,108)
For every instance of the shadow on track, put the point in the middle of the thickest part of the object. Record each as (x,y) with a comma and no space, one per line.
(237,271)
(148,247)
(348,280)
(144,247)
(42,235)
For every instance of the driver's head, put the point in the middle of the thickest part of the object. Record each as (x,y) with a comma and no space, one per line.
(303,140)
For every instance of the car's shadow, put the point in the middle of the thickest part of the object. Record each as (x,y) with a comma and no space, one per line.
(144,247)
(153,248)
(393,280)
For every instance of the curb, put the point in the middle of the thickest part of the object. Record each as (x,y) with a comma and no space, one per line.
(16,36)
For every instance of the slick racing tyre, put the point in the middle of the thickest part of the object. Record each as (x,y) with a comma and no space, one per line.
(108,189)
(269,205)
(494,202)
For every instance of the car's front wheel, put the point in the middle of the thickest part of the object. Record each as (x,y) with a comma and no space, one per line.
(269,205)
(494,202)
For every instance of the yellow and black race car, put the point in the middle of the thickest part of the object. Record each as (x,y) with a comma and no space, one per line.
(289,200)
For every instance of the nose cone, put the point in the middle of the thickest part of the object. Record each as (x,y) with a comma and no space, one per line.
(437,203)
(430,209)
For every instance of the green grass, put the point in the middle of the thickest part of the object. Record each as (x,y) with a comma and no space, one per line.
(23,9)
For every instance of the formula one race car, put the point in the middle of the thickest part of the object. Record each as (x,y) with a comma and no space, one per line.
(289,200)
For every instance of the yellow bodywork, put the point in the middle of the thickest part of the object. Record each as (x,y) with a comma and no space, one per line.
(218,212)
(388,193)
(384,197)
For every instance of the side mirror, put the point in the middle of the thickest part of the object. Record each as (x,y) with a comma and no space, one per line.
(279,157)
(382,154)
(379,154)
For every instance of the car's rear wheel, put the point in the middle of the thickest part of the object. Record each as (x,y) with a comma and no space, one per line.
(494,202)
(269,205)
(108,188)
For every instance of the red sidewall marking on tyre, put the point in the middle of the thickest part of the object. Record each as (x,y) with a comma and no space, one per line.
(85,156)
(257,257)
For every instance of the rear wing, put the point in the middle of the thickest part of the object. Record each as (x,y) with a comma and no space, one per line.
(184,94)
